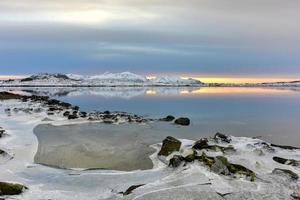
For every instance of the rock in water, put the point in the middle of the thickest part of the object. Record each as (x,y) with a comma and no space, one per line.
(183,121)
(221,137)
(11,188)
(168,118)
(201,144)
(169,145)
(291,174)
(130,189)
(176,161)
(285,161)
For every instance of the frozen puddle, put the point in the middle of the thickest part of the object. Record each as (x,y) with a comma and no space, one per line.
(93,146)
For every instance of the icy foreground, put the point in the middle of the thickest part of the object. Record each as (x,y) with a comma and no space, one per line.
(185,181)
(106,79)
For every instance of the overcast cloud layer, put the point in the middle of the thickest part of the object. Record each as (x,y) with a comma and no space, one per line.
(195,36)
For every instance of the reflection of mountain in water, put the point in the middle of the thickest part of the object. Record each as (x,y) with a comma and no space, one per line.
(108,92)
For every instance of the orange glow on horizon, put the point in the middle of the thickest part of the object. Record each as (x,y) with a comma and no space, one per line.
(6,77)
(240,80)
(233,79)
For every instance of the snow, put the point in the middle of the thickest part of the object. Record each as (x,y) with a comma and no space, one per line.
(106,79)
(193,181)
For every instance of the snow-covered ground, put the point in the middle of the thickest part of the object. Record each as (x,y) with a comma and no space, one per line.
(191,181)
(106,79)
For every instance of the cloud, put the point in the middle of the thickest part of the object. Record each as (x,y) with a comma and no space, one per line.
(196,35)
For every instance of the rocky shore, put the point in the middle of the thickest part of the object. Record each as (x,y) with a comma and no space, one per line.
(217,167)
(71,112)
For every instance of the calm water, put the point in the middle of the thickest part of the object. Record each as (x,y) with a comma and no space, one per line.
(273,114)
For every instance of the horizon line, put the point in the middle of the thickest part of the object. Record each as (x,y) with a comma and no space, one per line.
(232,79)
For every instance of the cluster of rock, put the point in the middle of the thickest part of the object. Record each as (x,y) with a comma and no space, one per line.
(9,188)
(219,164)
(71,112)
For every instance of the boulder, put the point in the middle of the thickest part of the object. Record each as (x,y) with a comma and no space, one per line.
(285,147)
(76,108)
(219,137)
(83,114)
(8,95)
(183,121)
(168,118)
(169,145)
(287,172)
(176,161)
(201,144)
(73,116)
(285,161)
(221,165)
(11,188)
(66,114)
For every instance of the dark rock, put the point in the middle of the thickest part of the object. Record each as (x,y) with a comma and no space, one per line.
(130,189)
(75,107)
(52,109)
(72,116)
(26,79)
(66,114)
(106,112)
(65,105)
(168,118)
(220,163)
(221,137)
(169,145)
(201,144)
(8,95)
(285,161)
(53,102)
(176,161)
(291,174)
(83,114)
(183,121)
(285,147)
(11,188)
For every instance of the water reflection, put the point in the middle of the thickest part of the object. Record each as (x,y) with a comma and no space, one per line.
(131,92)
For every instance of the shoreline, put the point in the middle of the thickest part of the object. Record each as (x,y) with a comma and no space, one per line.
(190,176)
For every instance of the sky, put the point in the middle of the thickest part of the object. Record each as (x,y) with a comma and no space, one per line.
(233,39)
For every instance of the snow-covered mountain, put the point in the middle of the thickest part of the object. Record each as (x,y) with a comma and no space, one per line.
(174,80)
(106,79)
